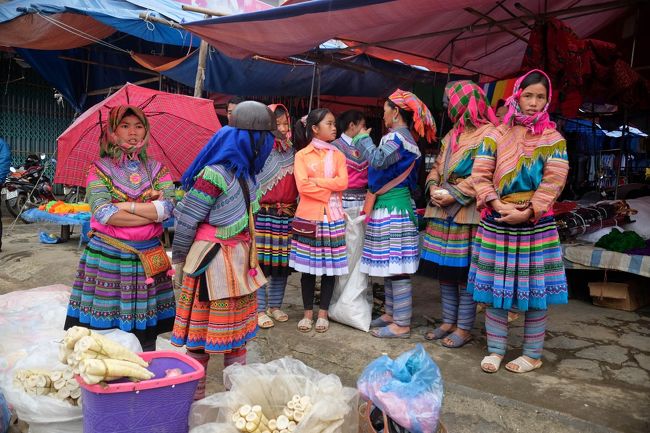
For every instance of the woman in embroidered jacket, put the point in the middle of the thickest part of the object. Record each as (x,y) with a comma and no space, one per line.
(217,308)
(519,172)
(278,194)
(452,209)
(391,241)
(349,124)
(130,195)
(321,176)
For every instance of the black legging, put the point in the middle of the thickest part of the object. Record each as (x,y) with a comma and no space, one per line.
(308,285)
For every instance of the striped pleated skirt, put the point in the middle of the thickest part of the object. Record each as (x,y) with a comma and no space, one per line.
(448,246)
(391,241)
(517,266)
(273,242)
(215,326)
(109,291)
(324,255)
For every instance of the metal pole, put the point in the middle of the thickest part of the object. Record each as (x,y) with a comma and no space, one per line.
(311,92)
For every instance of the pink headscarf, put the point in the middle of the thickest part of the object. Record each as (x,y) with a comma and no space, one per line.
(536,123)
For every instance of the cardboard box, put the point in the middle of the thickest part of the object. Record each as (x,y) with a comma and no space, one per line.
(620,296)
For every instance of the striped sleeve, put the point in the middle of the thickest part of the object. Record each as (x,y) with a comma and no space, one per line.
(483,172)
(382,156)
(163,182)
(99,196)
(194,209)
(555,172)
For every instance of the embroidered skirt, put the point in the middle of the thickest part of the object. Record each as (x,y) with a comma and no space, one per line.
(517,266)
(391,241)
(448,246)
(354,198)
(324,255)
(109,291)
(215,326)
(273,242)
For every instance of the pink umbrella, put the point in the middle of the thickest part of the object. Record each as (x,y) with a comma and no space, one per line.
(180,126)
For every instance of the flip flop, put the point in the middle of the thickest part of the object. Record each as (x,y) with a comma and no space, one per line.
(305,324)
(385,332)
(278,315)
(524,365)
(264,321)
(457,340)
(379,323)
(322,325)
(494,361)
(436,334)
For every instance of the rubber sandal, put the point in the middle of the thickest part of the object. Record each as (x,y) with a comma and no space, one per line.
(512,316)
(264,321)
(278,315)
(457,340)
(493,360)
(305,324)
(385,332)
(379,323)
(524,365)
(436,334)
(322,325)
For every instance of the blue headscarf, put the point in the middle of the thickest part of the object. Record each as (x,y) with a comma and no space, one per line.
(232,148)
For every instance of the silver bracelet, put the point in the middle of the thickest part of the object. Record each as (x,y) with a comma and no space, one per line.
(133,207)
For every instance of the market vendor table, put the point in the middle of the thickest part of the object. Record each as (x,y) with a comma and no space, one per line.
(587,256)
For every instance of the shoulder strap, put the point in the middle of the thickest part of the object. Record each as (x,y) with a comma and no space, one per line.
(399,179)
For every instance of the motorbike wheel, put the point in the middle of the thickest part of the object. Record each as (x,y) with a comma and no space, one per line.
(15,205)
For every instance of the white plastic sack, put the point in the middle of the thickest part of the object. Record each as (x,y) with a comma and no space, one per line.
(350,303)
(271,385)
(32,328)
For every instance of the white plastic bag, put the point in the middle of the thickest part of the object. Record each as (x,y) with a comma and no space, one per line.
(271,385)
(350,304)
(31,326)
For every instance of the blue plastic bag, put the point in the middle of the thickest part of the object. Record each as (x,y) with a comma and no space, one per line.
(408,389)
(5,414)
(48,238)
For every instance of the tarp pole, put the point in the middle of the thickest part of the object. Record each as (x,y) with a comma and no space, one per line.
(442,115)
(200,70)
(311,92)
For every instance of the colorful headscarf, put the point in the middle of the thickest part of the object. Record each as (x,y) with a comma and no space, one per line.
(536,123)
(111,145)
(283,143)
(423,123)
(467,106)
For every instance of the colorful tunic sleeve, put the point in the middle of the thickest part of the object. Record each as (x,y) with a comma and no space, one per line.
(556,169)
(433,179)
(194,209)
(99,196)
(163,182)
(382,156)
(483,172)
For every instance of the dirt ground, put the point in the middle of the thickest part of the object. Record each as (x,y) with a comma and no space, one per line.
(595,377)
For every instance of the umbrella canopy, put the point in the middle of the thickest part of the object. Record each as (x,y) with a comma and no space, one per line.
(180,127)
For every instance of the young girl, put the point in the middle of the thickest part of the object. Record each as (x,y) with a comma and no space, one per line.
(349,124)
(278,194)
(452,209)
(518,173)
(130,195)
(214,240)
(318,233)
(390,247)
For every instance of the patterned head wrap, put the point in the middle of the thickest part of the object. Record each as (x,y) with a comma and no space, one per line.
(467,106)
(536,123)
(111,145)
(423,123)
(283,142)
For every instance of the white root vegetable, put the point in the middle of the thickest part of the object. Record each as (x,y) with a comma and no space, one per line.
(282,422)
(287,413)
(298,416)
(273,424)
(305,400)
(241,424)
(292,426)
(105,346)
(93,369)
(244,410)
(252,428)
(73,335)
(258,410)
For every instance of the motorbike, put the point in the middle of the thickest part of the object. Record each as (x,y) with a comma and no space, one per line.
(27,186)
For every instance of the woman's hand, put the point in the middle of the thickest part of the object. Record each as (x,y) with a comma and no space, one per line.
(443,200)
(365,131)
(515,216)
(502,206)
(155,195)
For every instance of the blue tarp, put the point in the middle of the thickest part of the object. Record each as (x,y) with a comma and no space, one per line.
(264,78)
(122,15)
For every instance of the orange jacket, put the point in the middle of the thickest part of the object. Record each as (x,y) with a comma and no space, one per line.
(314,189)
